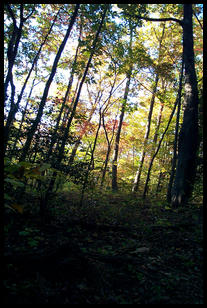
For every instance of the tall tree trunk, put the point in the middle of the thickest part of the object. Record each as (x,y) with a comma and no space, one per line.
(22,120)
(158,123)
(157,150)
(174,159)
(11,55)
(139,171)
(188,137)
(109,142)
(93,48)
(12,49)
(117,139)
(109,146)
(47,86)
(70,82)
(15,108)
(91,161)
(62,146)
(178,100)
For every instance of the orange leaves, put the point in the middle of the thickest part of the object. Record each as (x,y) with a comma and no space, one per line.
(113,124)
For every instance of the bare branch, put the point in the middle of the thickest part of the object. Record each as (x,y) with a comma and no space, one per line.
(30,14)
(194,13)
(156,19)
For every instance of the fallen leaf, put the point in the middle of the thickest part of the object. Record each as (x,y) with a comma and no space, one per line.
(18,207)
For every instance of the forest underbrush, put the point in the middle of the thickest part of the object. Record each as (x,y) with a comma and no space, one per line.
(115,249)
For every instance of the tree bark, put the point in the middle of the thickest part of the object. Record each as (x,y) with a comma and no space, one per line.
(109,146)
(22,120)
(47,86)
(70,82)
(157,150)
(117,139)
(139,171)
(12,49)
(188,137)
(15,107)
(91,161)
(174,159)
(178,100)
(62,146)
(93,48)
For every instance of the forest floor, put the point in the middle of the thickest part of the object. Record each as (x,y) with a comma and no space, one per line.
(114,250)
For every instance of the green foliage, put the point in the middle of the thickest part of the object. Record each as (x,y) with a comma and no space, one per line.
(21,175)
(125,43)
(117,248)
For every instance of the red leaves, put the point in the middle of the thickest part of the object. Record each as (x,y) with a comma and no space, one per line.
(113,124)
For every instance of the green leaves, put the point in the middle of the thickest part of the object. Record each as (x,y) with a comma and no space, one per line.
(31,236)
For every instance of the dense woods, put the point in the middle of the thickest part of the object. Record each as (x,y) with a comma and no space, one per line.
(103,132)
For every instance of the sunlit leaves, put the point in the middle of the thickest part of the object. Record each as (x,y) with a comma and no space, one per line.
(114,58)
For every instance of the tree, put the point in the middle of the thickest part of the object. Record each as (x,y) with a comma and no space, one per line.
(47,86)
(62,146)
(73,69)
(177,102)
(12,50)
(67,93)
(118,133)
(93,49)
(13,45)
(188,137)
(174,159)
(139,171)
(129,70)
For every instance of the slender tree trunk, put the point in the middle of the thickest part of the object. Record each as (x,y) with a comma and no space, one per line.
(117,139)
(11,55)
(82,133)
(22,120)
(61,150)
(174,159)
(62,146)
(158,123)
(188,137)
(163,135)
(155,154)
(155,142)
(47,86)
(15,108)
(159,183)
(109,142)
(74,150)
(91,161)
(139,171)
(109,145)
(54,136)
(13,48)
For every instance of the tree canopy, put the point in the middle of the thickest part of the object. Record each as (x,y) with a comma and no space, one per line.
(103,115)
(79,80)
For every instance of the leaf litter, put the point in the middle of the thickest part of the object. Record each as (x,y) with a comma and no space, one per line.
(105,258)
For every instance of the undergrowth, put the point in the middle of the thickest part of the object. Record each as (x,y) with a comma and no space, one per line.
(116,248)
